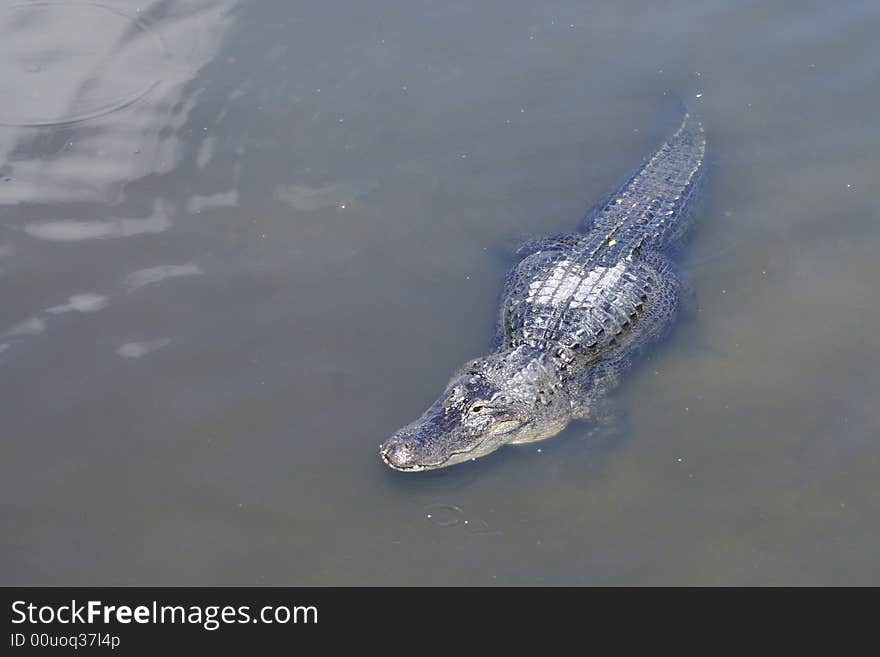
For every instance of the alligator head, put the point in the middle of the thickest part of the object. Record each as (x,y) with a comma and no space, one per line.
(510,397)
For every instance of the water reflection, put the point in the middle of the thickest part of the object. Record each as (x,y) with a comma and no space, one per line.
(30,326)
(71,71)
(90,302)
(198,204)
(82,303)
(309,199)
(104,96)
(76,231)
(124,83)
(140,349)
(153,275)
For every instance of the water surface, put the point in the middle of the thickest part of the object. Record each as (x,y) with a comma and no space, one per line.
(242,242)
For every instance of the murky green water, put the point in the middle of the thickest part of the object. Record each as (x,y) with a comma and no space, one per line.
(241,242)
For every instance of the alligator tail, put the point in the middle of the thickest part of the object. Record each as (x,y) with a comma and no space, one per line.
(651,208)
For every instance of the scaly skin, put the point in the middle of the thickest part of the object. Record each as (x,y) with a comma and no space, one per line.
(575,312)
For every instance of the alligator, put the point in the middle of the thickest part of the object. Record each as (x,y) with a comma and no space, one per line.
(575,313)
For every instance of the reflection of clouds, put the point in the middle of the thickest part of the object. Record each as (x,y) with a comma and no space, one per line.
(308,199)
(89,302)
(138,349)
(206,151)
(75,231)
(81,72)
(121,77)
(152,275)
(222,200)
(61,67)
(30,326)
(82,303)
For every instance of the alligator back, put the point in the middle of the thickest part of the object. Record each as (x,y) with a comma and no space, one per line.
(578,302)
(580,294)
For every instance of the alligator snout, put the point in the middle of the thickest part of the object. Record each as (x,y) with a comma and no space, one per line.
(399,453)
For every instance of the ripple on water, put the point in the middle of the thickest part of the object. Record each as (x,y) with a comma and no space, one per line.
(444,515)
(450,515)
(72,71)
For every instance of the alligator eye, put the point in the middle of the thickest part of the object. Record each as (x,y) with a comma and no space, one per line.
(479,407)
